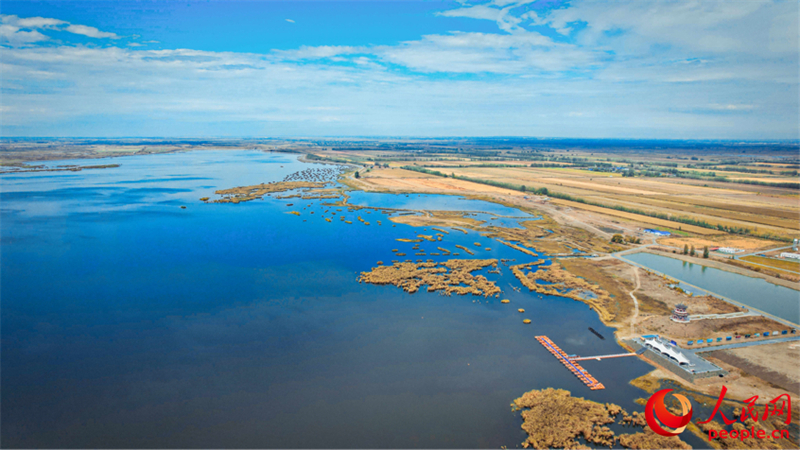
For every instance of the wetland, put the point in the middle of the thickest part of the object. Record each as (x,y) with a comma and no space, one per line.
(226,322)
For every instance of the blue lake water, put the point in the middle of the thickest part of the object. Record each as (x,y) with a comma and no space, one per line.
(130,322)
(756,292)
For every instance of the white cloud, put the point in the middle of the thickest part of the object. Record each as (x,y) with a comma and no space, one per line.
(14,36)
(487,52)
(91,32)
(504,20)
(731,107)
(318,52)
(38,22)
(695,25)
(290,20)
(21,31)
(629,73)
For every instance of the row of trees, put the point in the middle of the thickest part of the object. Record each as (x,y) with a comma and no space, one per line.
(691,252)
(619,239)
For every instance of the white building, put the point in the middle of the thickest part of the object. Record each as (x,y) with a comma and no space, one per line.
(729,250)
(666,350)
(790,255)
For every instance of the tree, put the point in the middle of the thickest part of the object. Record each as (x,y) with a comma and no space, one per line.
(685,246)
(357,175)
(617,239)
(691,252)
(522,188)
(705,252)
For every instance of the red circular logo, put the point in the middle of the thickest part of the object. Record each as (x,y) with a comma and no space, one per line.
(656,411)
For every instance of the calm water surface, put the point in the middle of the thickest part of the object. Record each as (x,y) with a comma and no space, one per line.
(756,292)
(130,322)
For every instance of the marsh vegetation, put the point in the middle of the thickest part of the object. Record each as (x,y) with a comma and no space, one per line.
(450,277)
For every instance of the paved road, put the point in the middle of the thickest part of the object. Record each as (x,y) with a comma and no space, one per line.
(762,251)
(723,316)
(742,344)
(635,301)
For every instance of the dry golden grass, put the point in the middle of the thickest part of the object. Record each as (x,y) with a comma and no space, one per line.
(616,302)
(465,249)
(663,195)
(713,215)
(552,418)
(559,241)
(647,383)
(400,180)
(763,214)
(784,264)
(450,219)
(765,206)
(247,193)
(566,284)
(517,247)
(769,271)
(721,240)
(451,277)
(637,217)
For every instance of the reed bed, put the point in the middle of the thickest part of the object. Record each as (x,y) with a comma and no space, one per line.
(465,249)
(247,193)
(449,277)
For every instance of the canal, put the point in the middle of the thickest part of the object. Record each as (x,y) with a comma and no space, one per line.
(777,300)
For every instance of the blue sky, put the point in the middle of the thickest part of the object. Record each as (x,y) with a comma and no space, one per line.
(624,69)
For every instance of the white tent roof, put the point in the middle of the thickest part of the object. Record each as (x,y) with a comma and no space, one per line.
(669,351)
(677,356)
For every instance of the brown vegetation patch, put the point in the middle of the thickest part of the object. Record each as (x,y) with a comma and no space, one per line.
(783,264)
(790,277)
(451,219)
(708,328)
(560,240)
(465,249)
(647,383)
(649,440)
(568,284)
(637,217)
(723,240)
(555,419)
(247,193)
(767,374)
(451,277)
(517,247)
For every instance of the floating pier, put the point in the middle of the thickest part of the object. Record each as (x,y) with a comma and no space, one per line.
(599,357)
(574,367)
